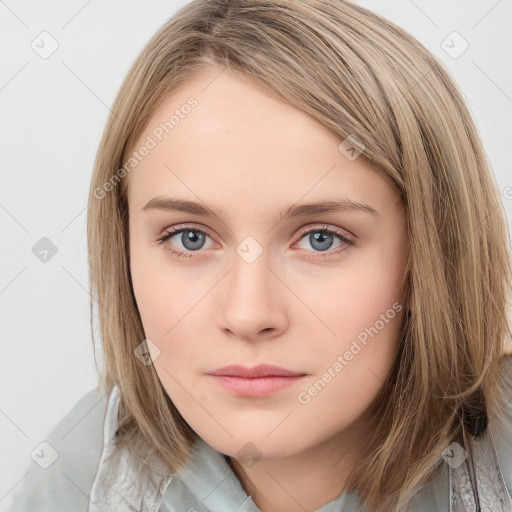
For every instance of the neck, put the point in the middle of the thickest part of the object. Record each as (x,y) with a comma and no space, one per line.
(303,481)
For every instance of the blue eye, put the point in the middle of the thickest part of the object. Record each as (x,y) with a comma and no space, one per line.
(193,239)
(322,240)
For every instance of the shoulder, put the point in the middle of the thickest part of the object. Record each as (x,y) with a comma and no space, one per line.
(62,471)
(501,424)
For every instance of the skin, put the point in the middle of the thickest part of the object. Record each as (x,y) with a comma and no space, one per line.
(248,155)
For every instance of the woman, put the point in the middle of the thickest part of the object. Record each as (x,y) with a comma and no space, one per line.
(300,260)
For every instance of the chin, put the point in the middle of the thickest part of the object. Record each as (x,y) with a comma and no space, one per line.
(253,447)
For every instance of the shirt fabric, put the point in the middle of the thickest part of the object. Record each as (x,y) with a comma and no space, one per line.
(93,474)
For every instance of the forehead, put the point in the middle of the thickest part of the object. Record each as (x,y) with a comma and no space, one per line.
(223,139)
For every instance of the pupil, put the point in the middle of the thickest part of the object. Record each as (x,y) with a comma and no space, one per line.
(321,240)
(192,240)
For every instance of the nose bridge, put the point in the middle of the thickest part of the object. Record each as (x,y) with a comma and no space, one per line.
(250,278)
(251,301)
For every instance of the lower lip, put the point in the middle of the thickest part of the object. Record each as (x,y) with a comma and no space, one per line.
(257,386)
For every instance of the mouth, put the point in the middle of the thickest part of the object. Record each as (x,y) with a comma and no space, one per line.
(258,381)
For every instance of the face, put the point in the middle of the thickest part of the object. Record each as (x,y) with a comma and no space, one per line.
(263,278)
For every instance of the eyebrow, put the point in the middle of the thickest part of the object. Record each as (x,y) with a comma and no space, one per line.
(294,210)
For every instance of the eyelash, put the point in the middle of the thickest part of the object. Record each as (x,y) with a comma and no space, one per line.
(324,229)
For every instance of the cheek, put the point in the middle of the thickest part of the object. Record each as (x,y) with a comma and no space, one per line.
(363,310)
(155,293)
(355,297)
(166,307)
(159,291)
(172,307)
(151,297)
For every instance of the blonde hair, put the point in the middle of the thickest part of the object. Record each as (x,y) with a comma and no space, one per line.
(358,74)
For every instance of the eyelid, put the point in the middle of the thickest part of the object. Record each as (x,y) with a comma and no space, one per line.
(174,230)
(302,230)
(179,227)
(325,227)
(345,237)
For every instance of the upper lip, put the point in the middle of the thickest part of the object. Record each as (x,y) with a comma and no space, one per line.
(262,370)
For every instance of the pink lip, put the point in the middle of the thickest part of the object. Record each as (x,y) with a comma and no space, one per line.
(258,381)
(262,370)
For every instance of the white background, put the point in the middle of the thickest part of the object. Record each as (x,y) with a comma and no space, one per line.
(52,115)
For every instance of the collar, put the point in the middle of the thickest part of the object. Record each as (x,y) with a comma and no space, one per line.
(208,483)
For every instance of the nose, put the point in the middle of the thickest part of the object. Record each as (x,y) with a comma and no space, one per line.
(253,300)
